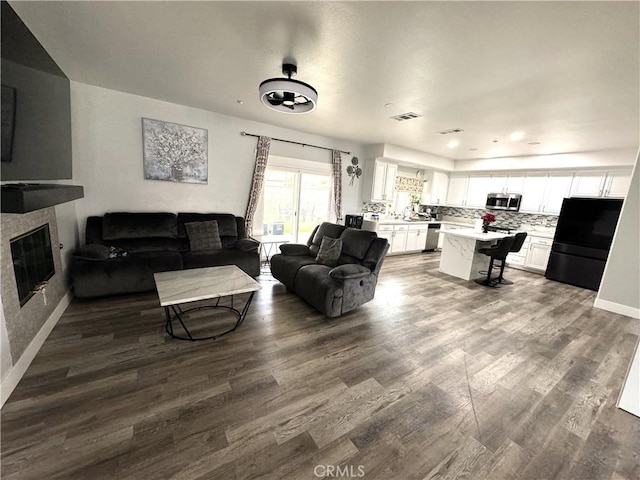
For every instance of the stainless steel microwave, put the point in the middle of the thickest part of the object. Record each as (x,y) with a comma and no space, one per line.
(504,201)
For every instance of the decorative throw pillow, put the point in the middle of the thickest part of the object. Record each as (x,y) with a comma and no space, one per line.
(203,235)
(329,252)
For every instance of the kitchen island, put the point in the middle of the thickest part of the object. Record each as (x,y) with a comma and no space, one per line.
(460,257)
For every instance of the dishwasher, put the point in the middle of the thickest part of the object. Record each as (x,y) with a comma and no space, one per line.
(432,237)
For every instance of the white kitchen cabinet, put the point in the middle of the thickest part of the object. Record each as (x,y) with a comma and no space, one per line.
(380,181)
(385,231)
(416,238)
(396,235)
(558,188)
(497,184)
(617,184)
(506,183)
(519,258)
(390,181)
(457,193)
(514,184)
(398,239)
(532,190)
(538,253)
(479,187)
(588,184)
(439,186)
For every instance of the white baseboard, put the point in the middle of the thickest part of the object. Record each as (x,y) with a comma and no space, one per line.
(617,308)
(629,399)
(17,371)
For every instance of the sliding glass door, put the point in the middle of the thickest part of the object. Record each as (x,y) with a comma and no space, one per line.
(294,202)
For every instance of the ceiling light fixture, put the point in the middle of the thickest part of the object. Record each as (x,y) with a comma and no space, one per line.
(515,136)
(453,143)
(287,95)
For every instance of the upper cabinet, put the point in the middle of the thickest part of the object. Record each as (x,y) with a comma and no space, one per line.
(439,187)
(588,184)
(457,194)
(617,184)
(557,189)
(544,193)
(541,192)
(533,189)
(380,180)
(477,191)
(601,184)
(472,190)
(506,183)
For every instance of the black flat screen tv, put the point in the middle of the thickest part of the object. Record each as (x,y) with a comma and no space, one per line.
(36,107)
(32,261)
(588,222)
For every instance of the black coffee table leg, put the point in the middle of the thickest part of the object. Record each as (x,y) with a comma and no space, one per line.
(178,312)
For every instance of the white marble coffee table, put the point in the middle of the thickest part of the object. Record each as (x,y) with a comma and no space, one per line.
(176,288)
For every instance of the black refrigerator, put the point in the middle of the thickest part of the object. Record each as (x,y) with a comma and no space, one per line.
(582,241)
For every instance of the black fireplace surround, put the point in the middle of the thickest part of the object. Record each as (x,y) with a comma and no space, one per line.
(123,250)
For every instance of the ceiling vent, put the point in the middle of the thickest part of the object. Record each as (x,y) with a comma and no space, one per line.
(405,116)
(287,95)
(451,130)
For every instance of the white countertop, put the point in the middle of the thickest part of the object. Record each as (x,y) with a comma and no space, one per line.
(540,234)
(473,234)
(406,222)
(543,232)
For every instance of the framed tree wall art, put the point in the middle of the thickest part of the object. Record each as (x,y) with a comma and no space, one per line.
(174,153)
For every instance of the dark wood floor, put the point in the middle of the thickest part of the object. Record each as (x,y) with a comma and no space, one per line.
(435,378)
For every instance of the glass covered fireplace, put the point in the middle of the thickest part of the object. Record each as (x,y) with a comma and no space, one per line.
(32,261)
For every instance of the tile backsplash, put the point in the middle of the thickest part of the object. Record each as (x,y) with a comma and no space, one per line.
(514,219)
(374,207)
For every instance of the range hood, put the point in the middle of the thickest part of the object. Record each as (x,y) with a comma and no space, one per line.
(27,197)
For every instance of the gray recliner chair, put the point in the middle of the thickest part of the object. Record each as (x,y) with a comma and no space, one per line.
(332,289)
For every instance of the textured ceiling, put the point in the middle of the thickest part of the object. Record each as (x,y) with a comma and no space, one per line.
(564,73)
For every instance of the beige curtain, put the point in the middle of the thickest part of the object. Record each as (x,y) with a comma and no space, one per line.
(337,183)
(262,154)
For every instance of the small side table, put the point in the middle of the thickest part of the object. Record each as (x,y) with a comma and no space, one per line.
(268,247)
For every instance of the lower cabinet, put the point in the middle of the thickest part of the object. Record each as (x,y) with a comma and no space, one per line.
(398,239)
(416,238)
(404,238)
(538,255)
(533,255)
(386,231)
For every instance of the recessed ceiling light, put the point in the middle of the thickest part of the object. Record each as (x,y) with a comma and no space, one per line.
(453,143)
(533,143)
(240,102)
(515,136)
(473,149)
(388,104)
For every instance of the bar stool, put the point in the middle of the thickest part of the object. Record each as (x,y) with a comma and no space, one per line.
(518,241)
(499,251)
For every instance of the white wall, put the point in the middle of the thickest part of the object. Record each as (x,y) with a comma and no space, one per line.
(107,146)
(620,288)
(604,159)
(418,158)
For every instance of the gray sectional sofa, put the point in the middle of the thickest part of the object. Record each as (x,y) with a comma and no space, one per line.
(337,287)
(123,250)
